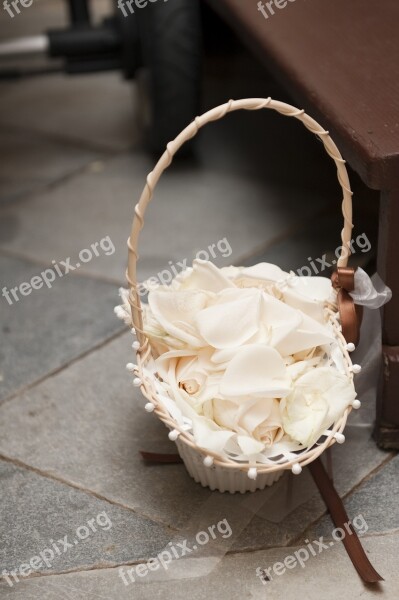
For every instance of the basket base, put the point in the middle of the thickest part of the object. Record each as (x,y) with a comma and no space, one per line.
(220,478)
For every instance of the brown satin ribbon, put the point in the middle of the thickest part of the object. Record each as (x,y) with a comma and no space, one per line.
(339,516)
(155,457)
(333,502)
(343,280)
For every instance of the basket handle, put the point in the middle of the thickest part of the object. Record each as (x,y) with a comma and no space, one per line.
(189,132)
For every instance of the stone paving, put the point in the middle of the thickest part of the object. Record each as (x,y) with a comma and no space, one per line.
(71,425)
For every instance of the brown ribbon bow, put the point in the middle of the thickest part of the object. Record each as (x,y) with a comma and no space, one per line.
(343,280)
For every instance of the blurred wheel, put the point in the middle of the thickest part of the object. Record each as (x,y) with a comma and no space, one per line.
(170,40)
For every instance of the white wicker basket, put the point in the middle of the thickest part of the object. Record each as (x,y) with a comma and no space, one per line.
(212,470)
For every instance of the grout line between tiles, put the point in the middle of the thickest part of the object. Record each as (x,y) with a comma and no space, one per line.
(57,182)
(230,553)
(64,366)
(20,464)
(369,475)
(77,273)
(81,273)
(73,142)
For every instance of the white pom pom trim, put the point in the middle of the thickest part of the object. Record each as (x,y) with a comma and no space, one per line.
(350,347)
(130,367)
(119,311)
(356,368)
(339,437)
(252,473)
(173,435)
(356,404)
(208,461)
(136,345)
(149,407)
(296,469)
(137,382)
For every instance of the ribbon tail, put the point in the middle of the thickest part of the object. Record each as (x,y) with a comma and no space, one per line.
(351,317)
(339,516)
(155,457)
(333,502)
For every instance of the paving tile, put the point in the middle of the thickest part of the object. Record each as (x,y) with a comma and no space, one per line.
(51,326)
(192,209)
(50,427)
(87,425)
(330,573)
(36,511)
(29,161)
(375,500)
(97,110)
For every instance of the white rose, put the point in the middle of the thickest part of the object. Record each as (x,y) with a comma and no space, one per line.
(191,378)
(239,398)
(318,399)
(257,418)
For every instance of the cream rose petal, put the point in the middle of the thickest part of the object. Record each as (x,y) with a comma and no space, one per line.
(210,436)
(232,321)
(176,311)
(163,362)
(253,413)
(303,416)
(279,320)
(204,276)
(260,419)
(265,271)
(255,370)
(308,294)
(309,334)
(224,413)
(248,445)
(191,376)
(298,368)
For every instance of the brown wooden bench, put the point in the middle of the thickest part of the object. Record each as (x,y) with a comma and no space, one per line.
(339,60)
